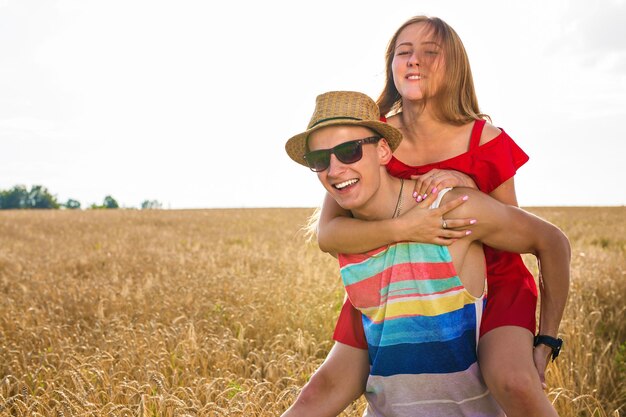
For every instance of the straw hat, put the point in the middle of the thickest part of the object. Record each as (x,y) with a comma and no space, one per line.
(342,108)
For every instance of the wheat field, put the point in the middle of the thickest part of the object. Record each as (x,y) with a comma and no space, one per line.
(229,312)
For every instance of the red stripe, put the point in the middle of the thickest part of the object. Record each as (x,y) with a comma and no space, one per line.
(369,289)
(356,258)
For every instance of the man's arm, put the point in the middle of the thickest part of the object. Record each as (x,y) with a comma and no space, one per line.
(337,382)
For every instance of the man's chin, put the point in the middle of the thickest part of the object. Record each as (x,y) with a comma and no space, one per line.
(346,204)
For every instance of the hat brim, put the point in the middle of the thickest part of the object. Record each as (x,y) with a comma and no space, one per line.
(296,146)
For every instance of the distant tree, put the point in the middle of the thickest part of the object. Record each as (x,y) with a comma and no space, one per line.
(15,198)
(40,198)
(19,197)
(72,204)
(151,205)
(110,203)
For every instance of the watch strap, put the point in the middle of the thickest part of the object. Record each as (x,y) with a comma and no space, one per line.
(554,343)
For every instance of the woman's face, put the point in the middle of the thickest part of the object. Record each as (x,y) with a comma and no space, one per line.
(418,63)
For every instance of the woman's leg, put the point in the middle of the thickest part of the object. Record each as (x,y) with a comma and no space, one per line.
(505,355)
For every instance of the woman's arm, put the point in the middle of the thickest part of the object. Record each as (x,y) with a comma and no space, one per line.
(512,229)
(505,193)
(550,307)
(339,232)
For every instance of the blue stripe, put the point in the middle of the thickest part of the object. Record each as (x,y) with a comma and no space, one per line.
(398,253)
(424,358)
(444,327)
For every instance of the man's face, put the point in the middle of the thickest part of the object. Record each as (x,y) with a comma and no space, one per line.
(351,185)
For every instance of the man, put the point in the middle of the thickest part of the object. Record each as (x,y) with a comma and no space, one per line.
(421,304)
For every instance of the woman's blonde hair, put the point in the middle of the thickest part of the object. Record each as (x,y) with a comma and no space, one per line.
(456,100)
(311,228)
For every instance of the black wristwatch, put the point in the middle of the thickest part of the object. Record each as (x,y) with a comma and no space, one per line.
(554,344)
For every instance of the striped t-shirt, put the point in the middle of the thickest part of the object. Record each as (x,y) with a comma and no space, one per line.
(421,326)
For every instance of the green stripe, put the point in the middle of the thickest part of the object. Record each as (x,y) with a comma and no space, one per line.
(395,254)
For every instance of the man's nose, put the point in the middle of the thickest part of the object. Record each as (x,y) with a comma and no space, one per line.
(335,165)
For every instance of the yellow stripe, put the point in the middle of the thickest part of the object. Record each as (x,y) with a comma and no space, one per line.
(426,307)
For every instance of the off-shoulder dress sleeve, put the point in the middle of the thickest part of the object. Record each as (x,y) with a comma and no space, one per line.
(496,162)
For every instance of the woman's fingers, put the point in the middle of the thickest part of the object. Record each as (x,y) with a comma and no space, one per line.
(425,202)
(456,223)
(418,194)
(445,182)
(444,242)
(451,205)
(424,185)
(447,237)
(439,179)
(454,234)
(450,224)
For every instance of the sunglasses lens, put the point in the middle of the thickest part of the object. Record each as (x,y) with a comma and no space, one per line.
(318,160)
(349,152)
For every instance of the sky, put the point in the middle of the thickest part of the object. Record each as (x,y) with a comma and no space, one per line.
(190,102)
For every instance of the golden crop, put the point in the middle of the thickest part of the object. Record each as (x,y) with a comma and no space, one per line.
(229,312)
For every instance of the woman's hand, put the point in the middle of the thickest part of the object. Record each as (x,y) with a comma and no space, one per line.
(439,179)
(541,356)
(426,225)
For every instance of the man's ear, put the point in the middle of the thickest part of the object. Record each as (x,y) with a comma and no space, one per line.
(384,152)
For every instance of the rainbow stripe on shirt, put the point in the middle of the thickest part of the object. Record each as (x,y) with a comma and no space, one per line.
(422,327)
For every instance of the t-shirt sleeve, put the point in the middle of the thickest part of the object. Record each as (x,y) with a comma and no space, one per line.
(349,328)
(496,162)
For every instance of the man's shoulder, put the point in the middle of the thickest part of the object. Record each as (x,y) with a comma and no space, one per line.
(476,201)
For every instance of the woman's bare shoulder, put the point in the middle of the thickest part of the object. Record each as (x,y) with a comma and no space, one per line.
(490,132)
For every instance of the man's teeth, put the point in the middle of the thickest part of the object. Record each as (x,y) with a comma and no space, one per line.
(344,184)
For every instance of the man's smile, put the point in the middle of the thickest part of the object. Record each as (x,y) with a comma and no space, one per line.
(344,184)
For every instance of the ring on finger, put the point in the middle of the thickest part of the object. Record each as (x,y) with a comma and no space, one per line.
(444,224)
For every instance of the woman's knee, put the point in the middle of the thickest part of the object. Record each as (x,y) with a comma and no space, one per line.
(520,385)
(506,361)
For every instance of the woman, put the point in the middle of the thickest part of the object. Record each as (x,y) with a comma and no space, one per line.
(429,96)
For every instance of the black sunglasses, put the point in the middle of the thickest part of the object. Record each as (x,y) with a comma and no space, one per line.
(347,152)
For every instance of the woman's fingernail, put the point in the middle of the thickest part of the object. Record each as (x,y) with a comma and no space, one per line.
(414,194)
(434,190)
(468,232)
(465,198)
(419,198)
(424,196)
(473,221)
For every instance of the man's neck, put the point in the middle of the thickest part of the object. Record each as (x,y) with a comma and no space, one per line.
(382,205)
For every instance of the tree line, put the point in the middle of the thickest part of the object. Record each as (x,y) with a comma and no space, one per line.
(38,197)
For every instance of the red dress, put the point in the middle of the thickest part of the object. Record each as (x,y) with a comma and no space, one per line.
(512,292)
